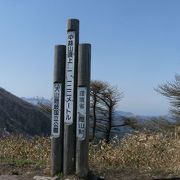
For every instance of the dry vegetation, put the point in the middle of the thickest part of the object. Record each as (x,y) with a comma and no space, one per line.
(19,148)
(24,156)
(151,155)
(145,154)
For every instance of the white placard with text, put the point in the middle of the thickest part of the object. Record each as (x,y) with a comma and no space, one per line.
(69,78)
(56,110)
(81,112)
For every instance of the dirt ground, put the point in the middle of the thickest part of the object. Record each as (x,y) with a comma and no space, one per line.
(13,172)
(10,171)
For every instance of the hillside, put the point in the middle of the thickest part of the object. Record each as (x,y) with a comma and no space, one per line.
(18,116)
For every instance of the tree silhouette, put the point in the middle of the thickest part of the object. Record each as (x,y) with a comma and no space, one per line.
(171,90)
(104,99)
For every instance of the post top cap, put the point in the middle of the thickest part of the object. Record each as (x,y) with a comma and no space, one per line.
(85,44)
(73,25)
(60,45)
(73,19)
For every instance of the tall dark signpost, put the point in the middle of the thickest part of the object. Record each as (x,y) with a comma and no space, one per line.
(57,127)
(70,95)
(83,102)
(70,109)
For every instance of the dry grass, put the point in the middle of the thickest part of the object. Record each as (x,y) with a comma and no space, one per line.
(154,154)
(21,150)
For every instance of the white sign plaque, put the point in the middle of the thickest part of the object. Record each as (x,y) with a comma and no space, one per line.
(56,110)
(69,78)
(81,112)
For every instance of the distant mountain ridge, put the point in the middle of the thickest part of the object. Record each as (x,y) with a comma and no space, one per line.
(123,113)
(19,116)
(36,100)
(119,116)
(119,126)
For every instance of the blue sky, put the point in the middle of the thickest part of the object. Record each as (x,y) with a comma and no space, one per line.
(135,46)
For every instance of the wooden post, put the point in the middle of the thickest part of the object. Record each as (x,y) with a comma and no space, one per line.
(83,105)
(70,96)
(57,129)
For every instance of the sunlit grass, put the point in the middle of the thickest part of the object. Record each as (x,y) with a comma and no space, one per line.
(22,151)
(145,153)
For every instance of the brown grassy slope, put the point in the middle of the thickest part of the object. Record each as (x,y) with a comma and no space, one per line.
(141,154)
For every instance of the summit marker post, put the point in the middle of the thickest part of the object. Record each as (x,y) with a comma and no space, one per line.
(83,105)
(57,124)
(70,103)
